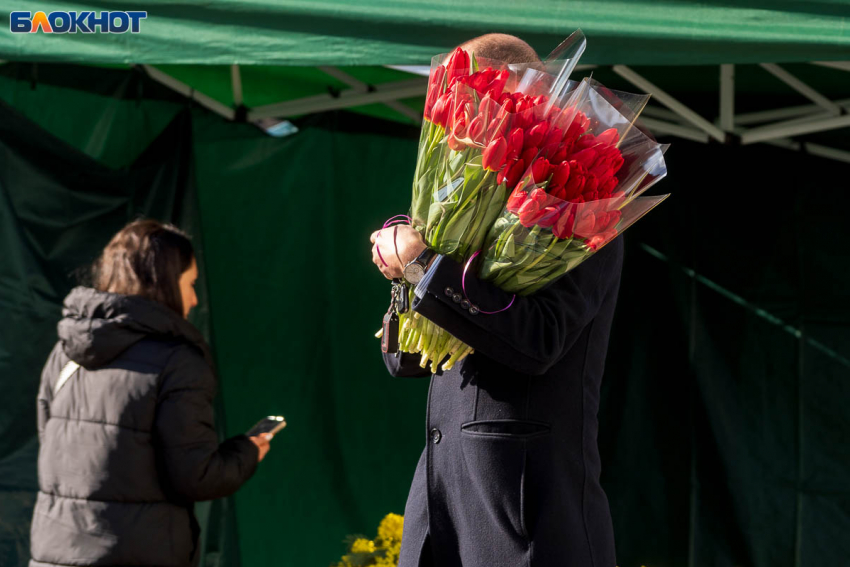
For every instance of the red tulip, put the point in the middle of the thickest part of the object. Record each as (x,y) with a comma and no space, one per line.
(441,109)
(549,152)
(529,213)
(575,185)
(540,197)
(550,216)
(529,154)
(498,124)
(618,163)
(511,174)
(476,130)
(458,65)
(563,227)
(498,82)
(602,168)
(455,144)
(459,126)
(554,136)
(435,89)
(540,170)
(523,116)
(478,80)
(560,175)
(599,240)
(585,157)
(588,140)
(516,200)
(559,192)
(515,143)
(560,155)
(585,224)
(494,154)
(609,137)
(574,131)
(610,184)
(537,134)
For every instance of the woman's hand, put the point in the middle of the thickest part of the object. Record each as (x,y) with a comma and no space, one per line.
(262,443)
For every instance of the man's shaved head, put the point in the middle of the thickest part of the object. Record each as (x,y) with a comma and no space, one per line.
(502,47)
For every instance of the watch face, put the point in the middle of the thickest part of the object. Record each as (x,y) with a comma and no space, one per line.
(414,272)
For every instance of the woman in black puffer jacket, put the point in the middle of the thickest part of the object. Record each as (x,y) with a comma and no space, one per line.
(125,415)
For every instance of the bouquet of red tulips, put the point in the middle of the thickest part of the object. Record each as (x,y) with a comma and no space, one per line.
(570,205)
(537,171)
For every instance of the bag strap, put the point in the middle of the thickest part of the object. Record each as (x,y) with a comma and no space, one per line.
(69,370)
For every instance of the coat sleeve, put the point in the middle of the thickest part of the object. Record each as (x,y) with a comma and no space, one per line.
(49,374)
(196,466)
(533,334)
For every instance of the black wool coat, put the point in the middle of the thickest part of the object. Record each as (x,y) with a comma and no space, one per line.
(127,444)
(510,472)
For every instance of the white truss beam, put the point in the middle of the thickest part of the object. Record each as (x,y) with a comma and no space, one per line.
(727,97)
(345,99)
(344,77)
(662,127)
(187,91)
(814,149)
(840,65)
(360,86)
(670,102)
(661,114)
(802,88)
(236,84)
(784,113)
(793,128)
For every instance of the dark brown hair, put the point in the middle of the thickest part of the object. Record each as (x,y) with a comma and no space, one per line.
(145,258)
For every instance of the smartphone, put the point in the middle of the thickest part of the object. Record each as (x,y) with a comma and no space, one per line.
(271,424)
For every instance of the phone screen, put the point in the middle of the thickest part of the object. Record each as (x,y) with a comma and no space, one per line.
(271,424)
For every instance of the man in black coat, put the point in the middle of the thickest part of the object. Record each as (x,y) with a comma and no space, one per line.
(510,472)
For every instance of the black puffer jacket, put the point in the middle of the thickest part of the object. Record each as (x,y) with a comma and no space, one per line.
(127,443)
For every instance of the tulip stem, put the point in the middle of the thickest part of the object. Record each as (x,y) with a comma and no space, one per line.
(458,212)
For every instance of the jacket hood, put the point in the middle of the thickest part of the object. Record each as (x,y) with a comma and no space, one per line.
(97,326)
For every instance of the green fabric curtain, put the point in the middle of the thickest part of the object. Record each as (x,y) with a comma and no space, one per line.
(379,32)
(59,207)
(293,300)
(723,425)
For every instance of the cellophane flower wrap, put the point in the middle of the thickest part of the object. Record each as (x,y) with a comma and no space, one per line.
(536,171)
(567,207)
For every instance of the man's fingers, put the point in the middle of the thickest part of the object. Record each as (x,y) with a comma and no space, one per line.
(374,236)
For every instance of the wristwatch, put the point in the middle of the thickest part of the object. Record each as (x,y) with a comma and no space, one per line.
(414,271)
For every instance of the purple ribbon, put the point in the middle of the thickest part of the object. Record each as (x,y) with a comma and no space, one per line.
(398,219)
(463,285)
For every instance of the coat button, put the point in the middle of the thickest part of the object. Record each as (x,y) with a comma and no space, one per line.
(457,298)
(436,436)
(465,304)
(474,310)
(449,291)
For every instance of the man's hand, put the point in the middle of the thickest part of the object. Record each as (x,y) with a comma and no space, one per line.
(395,247)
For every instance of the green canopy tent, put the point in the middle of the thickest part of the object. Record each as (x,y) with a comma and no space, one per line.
(299,346)
(229,57)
